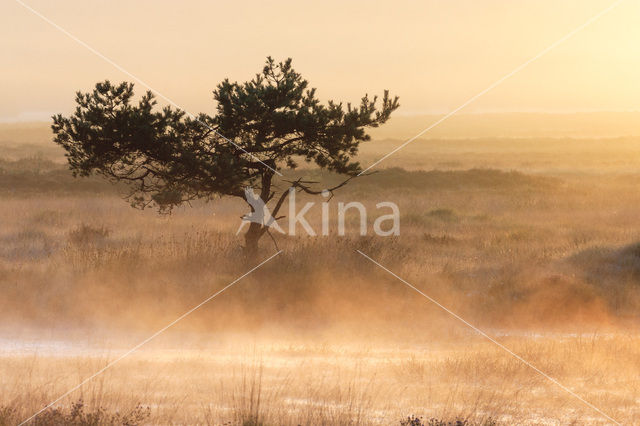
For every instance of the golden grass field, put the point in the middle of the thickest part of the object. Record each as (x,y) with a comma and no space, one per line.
(534,242)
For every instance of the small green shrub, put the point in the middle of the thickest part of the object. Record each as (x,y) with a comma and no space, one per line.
(89,235)
(445,215)
(417,421)
(412,421)
(47,218)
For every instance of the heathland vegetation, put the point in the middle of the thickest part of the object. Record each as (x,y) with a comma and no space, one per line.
(544,257)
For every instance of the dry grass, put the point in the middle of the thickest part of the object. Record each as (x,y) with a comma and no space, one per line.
(548,264)
(320,383)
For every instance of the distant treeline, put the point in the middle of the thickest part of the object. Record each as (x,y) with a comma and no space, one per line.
(37,175)
(399,179)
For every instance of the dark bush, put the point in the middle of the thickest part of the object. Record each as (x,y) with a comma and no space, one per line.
(77,416)
(89,235)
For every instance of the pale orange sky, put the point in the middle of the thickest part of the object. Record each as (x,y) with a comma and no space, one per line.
(433,54)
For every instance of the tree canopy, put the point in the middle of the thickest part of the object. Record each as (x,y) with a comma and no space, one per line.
(168,157)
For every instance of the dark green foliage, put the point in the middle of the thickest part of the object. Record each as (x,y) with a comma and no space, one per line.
(167,157)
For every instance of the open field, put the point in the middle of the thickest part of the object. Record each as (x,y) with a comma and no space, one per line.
(546,261)
(284,213)
(318,382)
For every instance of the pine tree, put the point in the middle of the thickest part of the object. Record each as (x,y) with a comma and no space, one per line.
(260,127)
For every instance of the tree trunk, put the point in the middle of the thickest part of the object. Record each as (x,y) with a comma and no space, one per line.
(251,239)
(257,230)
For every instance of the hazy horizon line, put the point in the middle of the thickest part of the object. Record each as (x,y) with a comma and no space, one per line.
(45,117)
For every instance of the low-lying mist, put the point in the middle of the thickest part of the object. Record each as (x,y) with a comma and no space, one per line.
(546,264)
(501,249)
